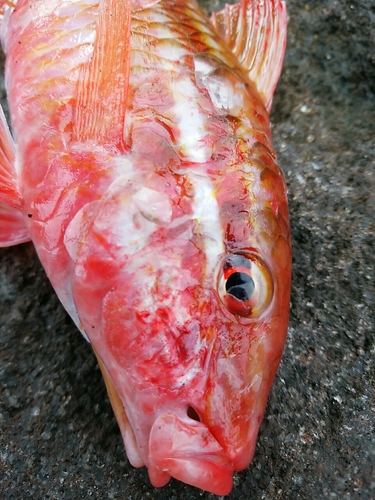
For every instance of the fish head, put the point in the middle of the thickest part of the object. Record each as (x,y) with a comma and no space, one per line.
(182,284)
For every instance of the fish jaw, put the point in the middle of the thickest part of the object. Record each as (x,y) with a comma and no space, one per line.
(186,450)
(177,447)
(227,389)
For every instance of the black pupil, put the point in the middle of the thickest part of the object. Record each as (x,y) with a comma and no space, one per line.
(240,285)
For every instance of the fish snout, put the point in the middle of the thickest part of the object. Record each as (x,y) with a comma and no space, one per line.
(185,449)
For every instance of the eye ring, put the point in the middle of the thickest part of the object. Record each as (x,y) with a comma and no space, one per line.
(245,284)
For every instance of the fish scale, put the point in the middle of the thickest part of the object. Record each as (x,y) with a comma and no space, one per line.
(143,171)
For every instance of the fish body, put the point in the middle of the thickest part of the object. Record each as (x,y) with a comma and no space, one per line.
(143,171)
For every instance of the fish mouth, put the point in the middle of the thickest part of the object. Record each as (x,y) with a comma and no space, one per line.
(179,446)
(185,449)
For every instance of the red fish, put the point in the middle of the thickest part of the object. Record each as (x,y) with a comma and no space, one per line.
(141,167)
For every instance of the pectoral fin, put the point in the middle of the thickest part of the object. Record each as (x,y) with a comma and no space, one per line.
(255,31)
(13,228)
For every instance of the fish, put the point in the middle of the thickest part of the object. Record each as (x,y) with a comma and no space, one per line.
(141,166)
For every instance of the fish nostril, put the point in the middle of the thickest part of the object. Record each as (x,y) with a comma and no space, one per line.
(191,413)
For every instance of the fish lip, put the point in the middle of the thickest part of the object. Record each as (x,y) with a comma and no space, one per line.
(185,449)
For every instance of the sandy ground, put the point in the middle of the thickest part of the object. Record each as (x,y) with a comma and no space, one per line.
(59,438)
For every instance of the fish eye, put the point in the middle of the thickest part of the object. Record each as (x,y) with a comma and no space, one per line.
(245,284)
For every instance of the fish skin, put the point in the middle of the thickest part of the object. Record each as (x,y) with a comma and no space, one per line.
(139,172)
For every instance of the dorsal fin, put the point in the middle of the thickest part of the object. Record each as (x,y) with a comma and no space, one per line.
(255,31)
(103,84)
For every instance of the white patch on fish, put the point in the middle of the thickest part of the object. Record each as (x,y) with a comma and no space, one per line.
(190,120)
(207,216)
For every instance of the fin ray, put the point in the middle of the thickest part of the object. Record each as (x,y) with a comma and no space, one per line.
(9,192)
(13,228)
(255,31)
(103,85)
